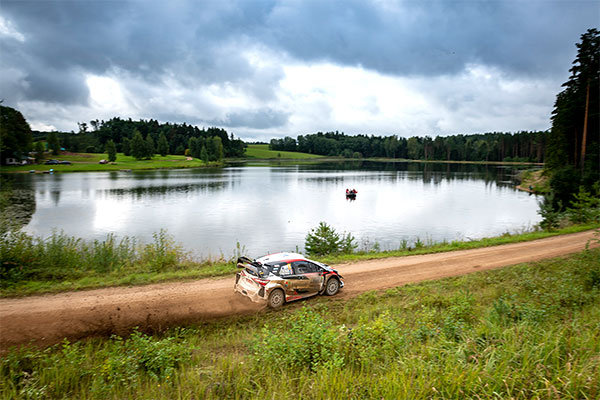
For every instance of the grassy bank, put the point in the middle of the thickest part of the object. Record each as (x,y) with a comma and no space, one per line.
(534,181)
(59,263)
(525,332)
(261,151)
(81,162)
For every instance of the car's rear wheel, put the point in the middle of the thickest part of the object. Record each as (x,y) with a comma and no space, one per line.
(333,286)
(276,299)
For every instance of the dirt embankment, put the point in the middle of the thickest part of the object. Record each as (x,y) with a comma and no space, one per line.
(48,319)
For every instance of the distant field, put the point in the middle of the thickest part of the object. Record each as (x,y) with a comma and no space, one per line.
(89,162)
(262,151)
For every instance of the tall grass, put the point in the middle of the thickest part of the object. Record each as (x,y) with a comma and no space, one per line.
(60,257)
(30,265)
(530,331)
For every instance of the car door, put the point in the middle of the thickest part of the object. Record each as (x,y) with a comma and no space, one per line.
(289,281)
(310,278)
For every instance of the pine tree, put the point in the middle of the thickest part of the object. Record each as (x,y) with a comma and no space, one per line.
(163,146)
(573,152)
(574,138)
(194,146)
(126,146)
(138,145)
(111,151)
(149,147)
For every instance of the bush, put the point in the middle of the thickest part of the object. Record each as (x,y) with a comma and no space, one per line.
(585,207)
(163,253)
(324,240)
(564,183)
(551,217)
(306,340)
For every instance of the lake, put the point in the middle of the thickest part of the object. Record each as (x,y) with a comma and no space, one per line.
(270,207)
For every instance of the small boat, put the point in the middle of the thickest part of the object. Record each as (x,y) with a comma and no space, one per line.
(351,194)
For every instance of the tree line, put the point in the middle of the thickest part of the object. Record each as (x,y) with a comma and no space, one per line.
(144,138)
(494,146)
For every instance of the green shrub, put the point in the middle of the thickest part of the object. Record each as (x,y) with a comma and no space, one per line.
(373,341)
(305,340)
(109,255)
(585,207)
(163,253)
(324,240)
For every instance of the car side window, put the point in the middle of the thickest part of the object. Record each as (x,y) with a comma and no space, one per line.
(314,267)
(304,267)
(286,270)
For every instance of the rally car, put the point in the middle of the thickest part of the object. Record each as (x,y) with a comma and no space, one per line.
(282,277)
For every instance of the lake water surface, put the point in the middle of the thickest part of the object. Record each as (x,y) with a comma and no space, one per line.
(271,207)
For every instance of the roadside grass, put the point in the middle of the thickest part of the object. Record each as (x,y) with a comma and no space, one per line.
(529,331)
(82,162)
(62,263)
(262,151)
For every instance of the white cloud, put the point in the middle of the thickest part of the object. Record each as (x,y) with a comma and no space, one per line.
(105,94)
(7,29)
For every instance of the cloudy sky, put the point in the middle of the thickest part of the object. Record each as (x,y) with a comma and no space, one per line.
(272,68)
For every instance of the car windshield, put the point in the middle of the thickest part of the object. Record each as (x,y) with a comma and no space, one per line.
(322,265)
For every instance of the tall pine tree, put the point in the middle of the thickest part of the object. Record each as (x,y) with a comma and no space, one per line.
(138,145)
(162,146)
(573,152)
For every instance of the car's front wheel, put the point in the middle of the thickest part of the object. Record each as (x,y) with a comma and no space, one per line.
(276,299)
(333,286)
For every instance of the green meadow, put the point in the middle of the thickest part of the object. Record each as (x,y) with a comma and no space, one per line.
(89,162)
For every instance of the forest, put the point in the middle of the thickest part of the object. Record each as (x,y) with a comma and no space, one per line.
(160,138)
(496,146)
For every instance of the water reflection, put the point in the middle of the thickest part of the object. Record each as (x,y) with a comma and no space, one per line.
(19,206)
(271,207)
(153,191)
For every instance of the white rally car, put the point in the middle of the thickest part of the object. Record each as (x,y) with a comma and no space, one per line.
(282,277)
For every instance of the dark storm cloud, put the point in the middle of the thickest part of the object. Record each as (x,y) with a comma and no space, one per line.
(199,43)
(434,37)
(191,39)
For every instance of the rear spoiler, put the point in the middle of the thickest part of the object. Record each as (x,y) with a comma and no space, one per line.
(251,266)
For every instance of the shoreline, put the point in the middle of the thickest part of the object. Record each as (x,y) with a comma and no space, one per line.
(183,163)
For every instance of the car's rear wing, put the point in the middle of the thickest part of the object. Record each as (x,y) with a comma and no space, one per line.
(252,266)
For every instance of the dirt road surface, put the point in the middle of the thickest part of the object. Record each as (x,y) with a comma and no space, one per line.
(48,319)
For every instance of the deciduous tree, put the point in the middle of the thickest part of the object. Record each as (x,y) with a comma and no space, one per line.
(15,134)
